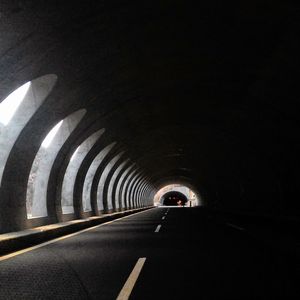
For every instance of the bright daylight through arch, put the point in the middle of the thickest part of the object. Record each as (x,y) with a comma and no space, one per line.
(17,109)
(36,198)
(173,191)
(11,103)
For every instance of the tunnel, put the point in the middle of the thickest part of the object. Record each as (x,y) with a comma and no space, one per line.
(104,103)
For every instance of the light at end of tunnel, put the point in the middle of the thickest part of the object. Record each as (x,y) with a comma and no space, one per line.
(176,195)
(48,139)
(11,103)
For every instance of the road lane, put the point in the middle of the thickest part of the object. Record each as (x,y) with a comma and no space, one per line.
(90,265)
(129,284)
(192,255)
(201,259)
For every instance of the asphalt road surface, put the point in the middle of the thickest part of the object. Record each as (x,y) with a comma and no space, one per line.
(161,253)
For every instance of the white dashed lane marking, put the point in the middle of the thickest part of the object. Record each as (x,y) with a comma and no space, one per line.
(129,284)
(157,228)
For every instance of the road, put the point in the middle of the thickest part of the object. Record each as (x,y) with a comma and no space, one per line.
(160,253)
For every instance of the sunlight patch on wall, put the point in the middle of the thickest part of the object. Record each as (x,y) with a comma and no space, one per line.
(75,162)
(118,196)
(49,138)
(36,198)
(10,104)
(88,181)
(17,109)
(102,182)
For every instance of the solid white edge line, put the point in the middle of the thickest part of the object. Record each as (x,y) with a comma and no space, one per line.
(130,282)
(157,228)
(19,252)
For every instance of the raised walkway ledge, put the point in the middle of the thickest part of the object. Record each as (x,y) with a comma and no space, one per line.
(14,241)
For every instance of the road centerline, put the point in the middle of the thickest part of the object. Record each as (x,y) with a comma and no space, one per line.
(158,228)
(130,282)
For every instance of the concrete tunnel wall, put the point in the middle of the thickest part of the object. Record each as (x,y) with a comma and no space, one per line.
(72,169)
(36,201)
(191,109)
(113,182)
(36,196)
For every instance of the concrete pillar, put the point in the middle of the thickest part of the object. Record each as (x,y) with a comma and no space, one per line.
(36,197)
(72,170)
(87,186)
(112,185)
(101,203)
(32,95)
(120,184)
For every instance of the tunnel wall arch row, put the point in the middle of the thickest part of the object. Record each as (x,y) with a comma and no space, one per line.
(124,185)
(89,177)
(131,188)
(73,166)
(143,195)
(116,188)
(36,196)
(21,105)
(119,187)
(148,194)
(138,192)
(135,189)
(113,184)
(127,189)
(102,199)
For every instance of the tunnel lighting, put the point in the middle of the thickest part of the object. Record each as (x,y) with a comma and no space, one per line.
(74,154)
(11,103)
(48,139)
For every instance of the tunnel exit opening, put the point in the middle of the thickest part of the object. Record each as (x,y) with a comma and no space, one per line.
(174,199)
(176,195)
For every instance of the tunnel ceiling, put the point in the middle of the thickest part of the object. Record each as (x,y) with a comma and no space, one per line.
(207,94)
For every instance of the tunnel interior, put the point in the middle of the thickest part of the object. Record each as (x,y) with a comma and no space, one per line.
(174,198)
(104,103)
(144,94)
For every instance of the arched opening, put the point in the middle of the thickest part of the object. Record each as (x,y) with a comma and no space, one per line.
(17,109)
(113,184)
(87,186)
(71,172)
(118,194)
(102,181)
(36,197)
(174,198)
(190,199)
(126,187)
